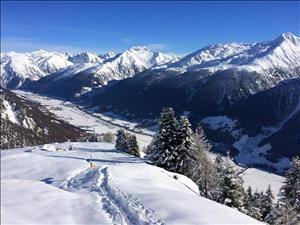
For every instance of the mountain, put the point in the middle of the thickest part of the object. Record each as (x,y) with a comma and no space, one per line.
(19,68)
(16,68)
(107,56)
(79,79)
(207,81)
(85,57)
(282,53)
(25,123)
(262,130)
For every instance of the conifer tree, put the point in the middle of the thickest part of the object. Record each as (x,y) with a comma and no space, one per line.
(287,210)
(132,145)
(121,143)
(162,149)
(230,189)
(267,203)
(291,188)
(184,153)
(248,200)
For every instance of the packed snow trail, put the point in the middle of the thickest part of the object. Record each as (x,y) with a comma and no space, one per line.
(122,208)
(133,212)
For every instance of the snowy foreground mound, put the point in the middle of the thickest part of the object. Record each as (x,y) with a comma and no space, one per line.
(60,187)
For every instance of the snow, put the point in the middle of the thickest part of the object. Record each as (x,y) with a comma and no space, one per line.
(8,112)
(28,123)
(131,62)
(260,181)
(85,57)
(283,53)
(33,65)
(99,123)
(219,122)
(250,153)
(42,187)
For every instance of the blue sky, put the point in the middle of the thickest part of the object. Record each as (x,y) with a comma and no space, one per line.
(180,27)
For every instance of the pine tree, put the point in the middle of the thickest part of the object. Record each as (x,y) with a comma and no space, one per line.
(219,179)
(287,210)
(132,145)
(248,200)
(230,189)
(291,188)
(267,203)
(121,142)
(162,149)
(184,153)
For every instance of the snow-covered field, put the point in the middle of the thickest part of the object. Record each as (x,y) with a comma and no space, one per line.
(257,179)
(61,187)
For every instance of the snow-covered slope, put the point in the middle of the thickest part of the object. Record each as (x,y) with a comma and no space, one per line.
(131,62)
(282,53)
(42,187)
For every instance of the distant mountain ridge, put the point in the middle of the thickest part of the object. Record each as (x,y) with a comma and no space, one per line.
(17,68)
(80,78)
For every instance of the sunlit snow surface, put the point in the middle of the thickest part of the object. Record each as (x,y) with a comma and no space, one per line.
(60,187)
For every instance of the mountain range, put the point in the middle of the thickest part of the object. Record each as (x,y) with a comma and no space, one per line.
(250,88)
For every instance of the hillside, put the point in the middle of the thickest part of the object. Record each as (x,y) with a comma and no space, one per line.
(118,189)
(27,123)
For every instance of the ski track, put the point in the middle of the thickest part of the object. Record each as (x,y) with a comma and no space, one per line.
(122,208)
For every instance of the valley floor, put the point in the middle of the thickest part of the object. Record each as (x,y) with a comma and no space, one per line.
(41,186)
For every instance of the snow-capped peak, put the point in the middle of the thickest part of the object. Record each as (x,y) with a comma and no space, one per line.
(85,57)
(281,53)
(132,61)
(287,36)
(17,67)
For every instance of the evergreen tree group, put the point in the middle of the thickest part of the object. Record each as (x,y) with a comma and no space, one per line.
(127,142)
(178,149)
(174,148)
